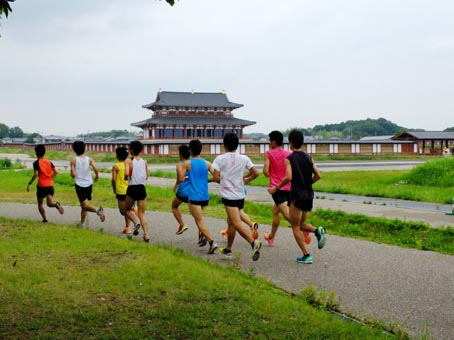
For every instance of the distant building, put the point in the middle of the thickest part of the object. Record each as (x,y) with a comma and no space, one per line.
(187,115)
(375,138)
(434,141)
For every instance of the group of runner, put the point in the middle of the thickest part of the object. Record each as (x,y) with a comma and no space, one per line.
(291,175)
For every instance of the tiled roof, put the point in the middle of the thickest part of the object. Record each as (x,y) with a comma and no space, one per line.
(194,121)
(189,99)
(435,135)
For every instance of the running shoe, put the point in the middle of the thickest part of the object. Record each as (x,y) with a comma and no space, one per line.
(146,238)
(100,213)
(136,229)
(256,245)
(306,259)
(213,247)
(59,208)
(202,240)
(126,230)
(267,238)
(227,253)
(254,230)
(182,229)
(320,234)
(224,233)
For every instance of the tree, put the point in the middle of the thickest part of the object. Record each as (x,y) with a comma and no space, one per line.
(16,132)
(5,7)
(4,130)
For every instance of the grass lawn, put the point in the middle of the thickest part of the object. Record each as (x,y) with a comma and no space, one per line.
(62,282)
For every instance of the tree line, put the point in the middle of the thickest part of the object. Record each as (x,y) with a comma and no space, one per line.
(353,129)
(17,132)
(348,130)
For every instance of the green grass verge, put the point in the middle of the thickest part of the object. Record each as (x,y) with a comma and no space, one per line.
(61,282)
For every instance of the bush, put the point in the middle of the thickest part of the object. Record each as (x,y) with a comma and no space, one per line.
(438,173)
(5,163)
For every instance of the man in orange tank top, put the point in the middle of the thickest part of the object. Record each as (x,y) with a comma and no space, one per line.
(45,171)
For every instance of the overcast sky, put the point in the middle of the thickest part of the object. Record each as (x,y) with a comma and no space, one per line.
(68,67)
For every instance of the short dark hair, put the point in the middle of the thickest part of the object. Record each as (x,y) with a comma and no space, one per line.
(183,150)
(231,141)
(122,153)
(79,147)
(40,150)
(136,147)
(195,147)
(276,136)
(296,137)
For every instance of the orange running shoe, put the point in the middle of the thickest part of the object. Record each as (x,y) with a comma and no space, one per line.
(267,238)
(254,230)
(224,233)
(126,230)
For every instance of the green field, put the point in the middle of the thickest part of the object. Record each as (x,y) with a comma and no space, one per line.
(62,282)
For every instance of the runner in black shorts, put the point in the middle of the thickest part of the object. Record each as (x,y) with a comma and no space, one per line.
(45,171)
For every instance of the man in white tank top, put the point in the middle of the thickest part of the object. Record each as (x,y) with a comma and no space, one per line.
(81,167)
(136,172)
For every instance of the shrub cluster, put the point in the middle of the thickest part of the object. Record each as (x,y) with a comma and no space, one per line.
(437,173)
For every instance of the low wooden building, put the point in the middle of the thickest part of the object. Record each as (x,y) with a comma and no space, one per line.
(429,142)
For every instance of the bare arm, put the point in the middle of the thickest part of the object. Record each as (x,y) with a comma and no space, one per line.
(35,175)
(210,167)
(252,174)
(216,176)
(95,168)
(128,168)
(73,168)
(285,180)
(317,174)
(181,171)
(266,166)
(146,167)
(54,171)
(114,177)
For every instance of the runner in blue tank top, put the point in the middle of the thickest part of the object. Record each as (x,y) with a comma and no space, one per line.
(198,169)
(181,188)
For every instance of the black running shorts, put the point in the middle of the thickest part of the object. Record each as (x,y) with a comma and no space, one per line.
(137,192)
(84,193)
(233,203)
(281,196)
(42,192)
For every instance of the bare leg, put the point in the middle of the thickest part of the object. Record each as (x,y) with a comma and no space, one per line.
(296,217)
(143,220)
(234,216)
(41,209)
(275,222)
(304,226)
(85,208)
(176,212)
(196,212)
(129,211)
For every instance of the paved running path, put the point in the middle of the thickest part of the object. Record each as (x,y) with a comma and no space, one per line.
(388,283)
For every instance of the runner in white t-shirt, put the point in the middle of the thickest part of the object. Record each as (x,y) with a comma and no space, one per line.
(229,170)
